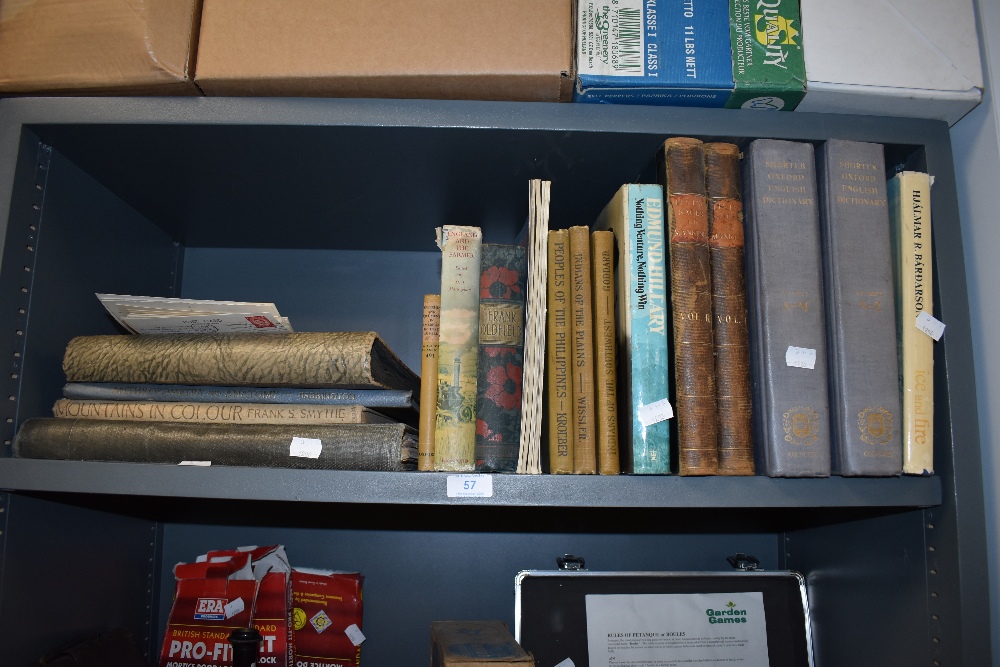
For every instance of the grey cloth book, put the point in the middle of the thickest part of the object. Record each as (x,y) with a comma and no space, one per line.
(861,311)
(786,321)
(383,447)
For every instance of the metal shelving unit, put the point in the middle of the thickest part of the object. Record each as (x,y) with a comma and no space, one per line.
(327,208)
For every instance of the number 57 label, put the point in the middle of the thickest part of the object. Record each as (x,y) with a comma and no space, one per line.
(470,486)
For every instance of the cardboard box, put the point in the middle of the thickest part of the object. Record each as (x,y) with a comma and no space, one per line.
(475,644)
(915,58)
(98,47)
(517,50)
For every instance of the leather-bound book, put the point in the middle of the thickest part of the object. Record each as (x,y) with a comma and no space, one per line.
(558,349)
(602,256)
(729,309)
(682,173)
(860,310)
(582,359)
(787,325)
(502,290)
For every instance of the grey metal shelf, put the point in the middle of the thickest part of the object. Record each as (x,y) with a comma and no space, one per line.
(270,484)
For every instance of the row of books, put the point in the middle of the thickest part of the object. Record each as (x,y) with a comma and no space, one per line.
(319,400)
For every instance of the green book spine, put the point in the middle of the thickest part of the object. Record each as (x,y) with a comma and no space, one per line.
(769,70)
(458,348)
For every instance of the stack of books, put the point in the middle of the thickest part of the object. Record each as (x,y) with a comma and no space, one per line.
(323,400)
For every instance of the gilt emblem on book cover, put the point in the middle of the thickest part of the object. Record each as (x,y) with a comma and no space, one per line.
(875,424)
(801,425)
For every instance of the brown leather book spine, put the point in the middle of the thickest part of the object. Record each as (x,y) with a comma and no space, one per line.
(428,381)
(602,260)
(683,174)
(582,364)
(729,307)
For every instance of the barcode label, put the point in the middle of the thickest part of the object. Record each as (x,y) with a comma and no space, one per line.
(629,59)
(611,38)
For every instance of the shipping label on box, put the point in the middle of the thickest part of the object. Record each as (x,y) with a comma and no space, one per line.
(769,70)
(671,52)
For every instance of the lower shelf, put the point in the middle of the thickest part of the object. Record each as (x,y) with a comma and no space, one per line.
(272,484)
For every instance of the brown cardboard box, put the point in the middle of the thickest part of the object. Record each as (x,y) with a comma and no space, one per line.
(98,47)
(519,50)
(475,644)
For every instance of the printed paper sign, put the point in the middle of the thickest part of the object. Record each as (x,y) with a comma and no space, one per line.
(930,325)
(655,412)
(307,448)
(470,486)
(708,629)
(800,357)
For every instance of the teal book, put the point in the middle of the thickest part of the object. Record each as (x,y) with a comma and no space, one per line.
(636,217)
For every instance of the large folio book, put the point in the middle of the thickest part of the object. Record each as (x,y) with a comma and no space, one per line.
(585,426)
(344,359)
(787,325)
(860,310)
(729,309)
(502,290)
(682,173)
(383,447)
(910,215)
(602,251)
(636,216)
(558,380)
(458,348)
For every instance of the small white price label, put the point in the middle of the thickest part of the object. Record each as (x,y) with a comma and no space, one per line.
(353,633)
(307,448)
(655,412)
(470,486)
(930,325)
(568,662)
(233,608)
(800,357)
(195,463)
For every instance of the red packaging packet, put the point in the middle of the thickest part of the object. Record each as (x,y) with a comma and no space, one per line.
(326,614)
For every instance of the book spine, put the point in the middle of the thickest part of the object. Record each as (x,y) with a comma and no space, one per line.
(321,359)
(785,306)
(502,290)
(635,215)
(683,178)
(559,387)
(729,309)
(602,249)
(428,379)
(382,447)
(582,362)
(458,348)
(910,214)
(860,307)
(120,391)
(215,413)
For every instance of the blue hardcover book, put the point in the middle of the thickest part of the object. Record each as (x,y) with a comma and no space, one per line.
(636,216)
(668,52)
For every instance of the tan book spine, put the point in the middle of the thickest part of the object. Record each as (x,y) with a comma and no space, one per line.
(458,348)
(559,386)
(582,357)
(428,381)
(682,167)
(910,215)
(729,308)
(217,413)
(602,254)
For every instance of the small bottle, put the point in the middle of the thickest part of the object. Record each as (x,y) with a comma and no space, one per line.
(246,646)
